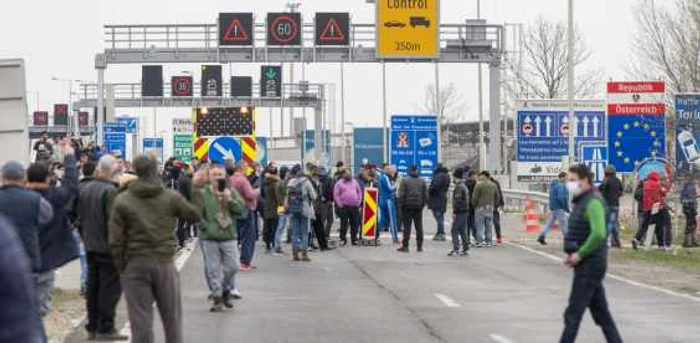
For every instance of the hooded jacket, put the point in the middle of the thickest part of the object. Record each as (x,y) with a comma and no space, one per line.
(653,192)
(142,221)
(273,196)
(214,208)
(438,191)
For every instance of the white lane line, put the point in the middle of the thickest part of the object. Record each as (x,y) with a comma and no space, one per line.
(180,261)
(616,277)
(500,338)
(449,302)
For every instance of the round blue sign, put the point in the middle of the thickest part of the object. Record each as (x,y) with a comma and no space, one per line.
(224,148)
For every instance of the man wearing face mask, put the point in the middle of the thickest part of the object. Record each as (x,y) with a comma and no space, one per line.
(587,253)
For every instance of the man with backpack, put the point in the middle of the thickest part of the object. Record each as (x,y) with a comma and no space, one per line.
(299,204)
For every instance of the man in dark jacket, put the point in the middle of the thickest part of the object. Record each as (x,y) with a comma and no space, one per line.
(104,290)
(689,200)
(57,245)
(437,202)
(497,207)
(460,210)
(611,190)
(413,196)
(272,200)
(19,320)
(143,246)
(470,182)
(184,186)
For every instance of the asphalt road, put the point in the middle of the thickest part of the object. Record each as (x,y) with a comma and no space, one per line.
(375,294)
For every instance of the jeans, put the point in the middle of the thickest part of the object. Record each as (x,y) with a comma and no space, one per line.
(440,219)
(349,217)
(44,289)
(561,217)
(222,264)
(83,260)
(300,232)
(483,220)
(415,217)
(103,293)
(459,230)
(587,291)
(613,225)
(247,236)
(279,233)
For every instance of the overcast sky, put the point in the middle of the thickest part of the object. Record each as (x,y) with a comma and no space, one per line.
(61,38)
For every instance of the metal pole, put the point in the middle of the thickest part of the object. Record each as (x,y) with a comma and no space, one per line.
(343,154)
(100,105)
(438,108)
(570,87)
(482,147)
(385,147)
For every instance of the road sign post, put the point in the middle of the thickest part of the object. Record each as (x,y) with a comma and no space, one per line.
(115,138)
(224,148)
(687,134)
(414,142)
(408,29)
(595,156)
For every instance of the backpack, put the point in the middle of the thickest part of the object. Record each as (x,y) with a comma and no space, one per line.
(295,198)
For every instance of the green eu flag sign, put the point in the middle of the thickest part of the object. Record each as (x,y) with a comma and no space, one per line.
(182,147)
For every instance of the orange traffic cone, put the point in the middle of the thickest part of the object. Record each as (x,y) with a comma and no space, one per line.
(532,219)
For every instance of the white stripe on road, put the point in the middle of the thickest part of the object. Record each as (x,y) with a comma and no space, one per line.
(500,338)
(449,302)
(616,277)
(180,261)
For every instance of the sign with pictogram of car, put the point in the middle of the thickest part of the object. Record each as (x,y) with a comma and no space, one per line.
(408,29)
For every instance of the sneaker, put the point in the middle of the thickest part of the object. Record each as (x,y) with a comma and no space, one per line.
(420,249)
(343,242)
(479,245)
(279,251)
(499,240)
(252,266)
(355,243)
(111,336)
(453,253)
(227,299)
(541,240)
(218,305)
(402,249)
(463,253)
(236,295)
(635,244)
(244,267)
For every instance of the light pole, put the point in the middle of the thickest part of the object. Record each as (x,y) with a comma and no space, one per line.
(482,145)
(570,90)
(75,121)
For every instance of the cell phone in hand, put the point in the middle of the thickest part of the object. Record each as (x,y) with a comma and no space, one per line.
(221,185)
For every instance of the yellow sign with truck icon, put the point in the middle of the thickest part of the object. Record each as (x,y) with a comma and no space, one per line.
(408,29)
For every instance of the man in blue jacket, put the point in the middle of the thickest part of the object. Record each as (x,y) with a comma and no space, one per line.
(387,211)
(558,206)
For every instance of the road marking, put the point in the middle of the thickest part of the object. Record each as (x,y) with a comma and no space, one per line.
(500,338)
(449,302)
(616,277)
(180,261)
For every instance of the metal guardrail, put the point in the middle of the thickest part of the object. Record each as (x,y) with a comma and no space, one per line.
(515,200)
(133,90)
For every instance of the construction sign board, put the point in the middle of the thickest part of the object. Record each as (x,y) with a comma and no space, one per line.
(235,29)
(370,213)
(332,29)
(408,29)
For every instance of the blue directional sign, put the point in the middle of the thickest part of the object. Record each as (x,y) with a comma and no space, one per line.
(687,133)
(634,138)
(131,124)
(367,146)
(154,143)
(543,136)
(115,138)
(223,148)
(595,156)
(414,141)
(261,150)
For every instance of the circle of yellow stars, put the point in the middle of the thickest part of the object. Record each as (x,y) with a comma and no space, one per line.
(637,124)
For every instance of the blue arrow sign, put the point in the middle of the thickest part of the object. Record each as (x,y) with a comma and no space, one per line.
(595,156)
(224,148)
(130,123)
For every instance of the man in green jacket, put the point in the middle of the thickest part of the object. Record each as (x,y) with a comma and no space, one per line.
(483,200)
(143,244)
(220,207)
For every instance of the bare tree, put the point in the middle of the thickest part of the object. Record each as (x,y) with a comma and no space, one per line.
(543,72)
(449,107)
(667,43)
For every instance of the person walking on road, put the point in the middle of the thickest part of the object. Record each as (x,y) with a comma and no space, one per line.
(220,208)
(281,211)
(689,199)
(348,197)
(558,207)
(414,197)
(299,204)
(437,201)
(653,201)
(387,209)
(587,254)
(484,197)
(246,226)
(104,290)
(143,245)
(272,202)
(460,211)
(611,190)
(498,206)
(470,182)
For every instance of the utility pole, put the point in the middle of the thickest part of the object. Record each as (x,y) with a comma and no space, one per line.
(570,90)
(482,147)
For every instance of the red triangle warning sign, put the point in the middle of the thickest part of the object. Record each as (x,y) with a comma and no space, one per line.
(332,32)
(235,32)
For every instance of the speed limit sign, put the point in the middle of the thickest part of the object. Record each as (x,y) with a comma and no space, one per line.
(283,29)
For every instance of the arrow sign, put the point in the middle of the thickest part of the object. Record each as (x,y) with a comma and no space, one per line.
(548,126)
(585,126)
(271,73)
(224,148)
(595,122)
(227,153)
(538,126)
(271,81)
